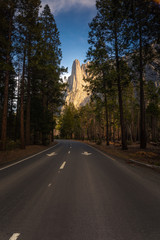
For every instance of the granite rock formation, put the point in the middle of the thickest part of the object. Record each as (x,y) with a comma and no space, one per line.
(78,96)
(75,92)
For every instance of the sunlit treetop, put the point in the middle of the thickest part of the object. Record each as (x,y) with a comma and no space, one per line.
(157,1)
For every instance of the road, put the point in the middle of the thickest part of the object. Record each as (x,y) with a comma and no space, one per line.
(74,192)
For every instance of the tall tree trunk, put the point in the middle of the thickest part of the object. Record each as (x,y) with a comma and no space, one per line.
(52,135)
(118,133)
(138,128)
(17,121)
(106,110)
(114,129)
(124,142)
(5,104)
(5,111)
(22,104)
(154,127)
(106,115)
(143,141)
(44,102)
(28,108)
(53,127)
(28,133)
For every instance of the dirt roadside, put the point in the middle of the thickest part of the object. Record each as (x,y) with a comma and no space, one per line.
(149,156)
(15,155)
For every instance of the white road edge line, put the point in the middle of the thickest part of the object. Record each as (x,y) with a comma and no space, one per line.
(144,164)
(62,166)
(14,236)
(131,160)
(13,164)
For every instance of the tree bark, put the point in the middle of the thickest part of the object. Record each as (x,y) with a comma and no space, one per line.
(44,103)
(22,105)
(28,108)
(114,129)
(5,111)
(106,115)
(17,120)
(106,110)
(154,127)
(143,141)
(6,87)
(123,137)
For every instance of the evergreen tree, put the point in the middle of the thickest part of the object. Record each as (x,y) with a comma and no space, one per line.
(99,69)
(7,10)
(27,23)
(31,22)
(144,31)
(30,51)
(47,64)
(67,122)
(109,22)
(153,109)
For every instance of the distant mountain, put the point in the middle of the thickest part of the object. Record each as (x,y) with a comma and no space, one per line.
(75,92)
(78,96)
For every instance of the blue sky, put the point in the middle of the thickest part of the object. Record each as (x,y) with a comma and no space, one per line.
(72,18)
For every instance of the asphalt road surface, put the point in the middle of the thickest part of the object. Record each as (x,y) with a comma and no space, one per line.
(74,192)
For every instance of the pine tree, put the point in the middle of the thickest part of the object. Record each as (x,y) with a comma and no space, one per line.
(31,25)
(7,18)
(144,29)
(27,19)
(98,69)
(109,22)
(67,122)
(22,137)
(153,109)
(47,63)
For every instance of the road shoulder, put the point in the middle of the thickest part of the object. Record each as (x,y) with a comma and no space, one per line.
(16,155)
(143,158)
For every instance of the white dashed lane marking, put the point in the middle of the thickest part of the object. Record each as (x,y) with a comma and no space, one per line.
(14,236)
(62,166)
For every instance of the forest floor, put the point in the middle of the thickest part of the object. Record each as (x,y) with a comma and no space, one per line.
(10,156)
(150,155)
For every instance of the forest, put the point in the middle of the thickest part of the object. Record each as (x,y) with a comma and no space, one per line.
(123,39)
(125,100)
(31,89)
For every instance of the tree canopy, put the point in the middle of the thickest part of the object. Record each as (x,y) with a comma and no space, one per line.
(31,89)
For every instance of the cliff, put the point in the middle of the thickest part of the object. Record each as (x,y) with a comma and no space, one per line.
(75,92)
(78,96)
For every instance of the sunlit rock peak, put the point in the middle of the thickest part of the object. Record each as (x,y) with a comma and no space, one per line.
(75,92)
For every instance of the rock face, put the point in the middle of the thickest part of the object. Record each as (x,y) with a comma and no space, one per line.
(75,92)
(78,96)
